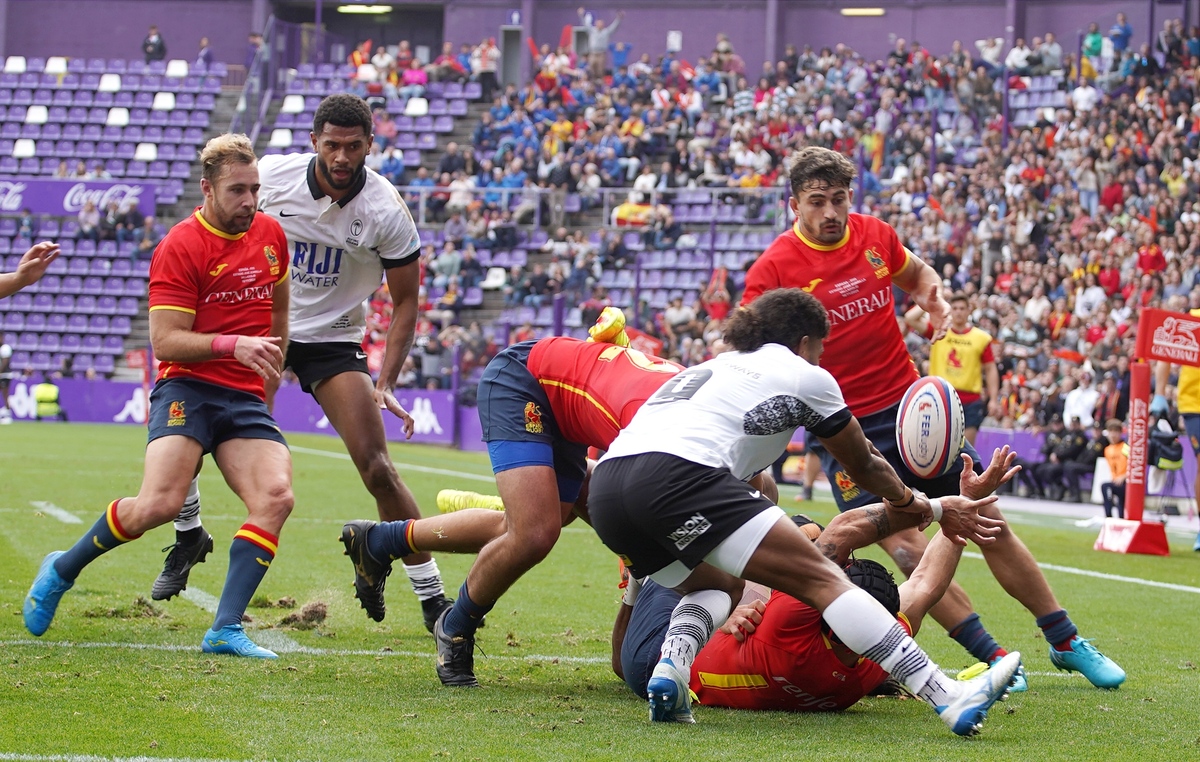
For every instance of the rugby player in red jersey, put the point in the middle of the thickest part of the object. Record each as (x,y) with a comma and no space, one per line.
(542,404)
(851,262)
(776,653)
(218,322)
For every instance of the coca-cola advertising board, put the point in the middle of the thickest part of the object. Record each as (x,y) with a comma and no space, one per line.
(65,198)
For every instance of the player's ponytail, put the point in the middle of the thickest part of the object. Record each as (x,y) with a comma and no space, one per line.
(782,316)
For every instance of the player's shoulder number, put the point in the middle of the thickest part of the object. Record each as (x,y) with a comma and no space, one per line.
(639,359)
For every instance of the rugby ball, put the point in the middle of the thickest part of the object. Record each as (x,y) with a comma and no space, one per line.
(929,427)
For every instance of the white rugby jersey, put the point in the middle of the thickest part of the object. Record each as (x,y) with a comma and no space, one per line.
(339,248)
(738,411)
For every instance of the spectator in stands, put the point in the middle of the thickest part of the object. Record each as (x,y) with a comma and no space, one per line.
(449,304)
(374,158)
(393,165)
(1017,60)
(1084,464)
(471,271)
(454,231)
(447,265)
(413,80)
(385,128)
(81,170)
(253,45)
(1117,455)
(446,67)
(27,225)
(89,222)
(538,287)
(132,222)
(599,39)
(153,47)
(451,161)
(589,311)
(62,171)
(204,58)
(485,61)
(110,222)
(147,238)
(360,55)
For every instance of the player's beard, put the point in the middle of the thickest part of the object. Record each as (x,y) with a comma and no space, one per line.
(232,222)
(333,182)
(826,233)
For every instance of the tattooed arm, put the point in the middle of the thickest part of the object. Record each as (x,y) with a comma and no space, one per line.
(929,580)
(861,527)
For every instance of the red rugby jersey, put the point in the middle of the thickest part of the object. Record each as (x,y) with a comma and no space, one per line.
(594,389)
(227,282)
(865,351)
(785,665)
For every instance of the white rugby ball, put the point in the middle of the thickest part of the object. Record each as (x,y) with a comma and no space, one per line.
(929,427)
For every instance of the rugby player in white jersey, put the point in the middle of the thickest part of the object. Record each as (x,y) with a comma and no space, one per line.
(348,229)
(670,497)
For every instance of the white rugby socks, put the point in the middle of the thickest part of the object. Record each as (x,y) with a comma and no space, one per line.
(693,622)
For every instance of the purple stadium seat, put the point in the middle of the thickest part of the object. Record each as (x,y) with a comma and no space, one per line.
(77,324)
(135,287)
(27,342)
(473,91)
(92,285)
(91,344)
(135,169)
(70,80)
(140,116)
(152,81)
(42,303)
(104,364)
(85,305)
(171,85)
(42,97)
(9,166)
(70,342)
(98,324)
(158,170)
(99,267)
(14,321)
(106,305)
(127,305)
(72,284)
(159,119)
(412,158)
(192,136)
(427,141)
(22,97)
(198,119)
(423,124)
(176,119)
(41,361)
(206,101)
(141,268)
(121,325)
(104,100)
(49,342)
(51,284)
(443,124)
(458,107)
(438,107)
(113,345)
(97,116)
(84,98)
(96,66)
(114,287)
(62,98)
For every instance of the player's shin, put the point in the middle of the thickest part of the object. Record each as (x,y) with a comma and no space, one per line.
(693,622)
(106,534)
(250,555)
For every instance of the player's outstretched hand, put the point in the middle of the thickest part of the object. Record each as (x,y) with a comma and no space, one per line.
(35,261)
(744,620)
(961,521)
(261,354)
(939,312)
(1000,471)
(387,401)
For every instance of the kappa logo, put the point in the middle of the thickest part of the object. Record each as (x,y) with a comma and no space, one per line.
(691,529)
(217,271)
(533,419)
(812,284)
(134,409)
(176,415)
(846,485)
(876,262)
(425,420)
(272,259)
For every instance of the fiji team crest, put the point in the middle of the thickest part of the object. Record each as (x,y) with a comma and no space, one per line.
(176,415)
(533,419)
(876,262)
(272,259)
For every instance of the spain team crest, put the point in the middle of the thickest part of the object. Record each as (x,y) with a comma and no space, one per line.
(876,262)
(846,485)
(176,415)
(272,259)
(533,419)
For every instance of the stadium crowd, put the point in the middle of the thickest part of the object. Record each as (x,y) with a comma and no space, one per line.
(1058,231)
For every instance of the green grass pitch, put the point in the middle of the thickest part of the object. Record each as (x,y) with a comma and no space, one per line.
(115,677)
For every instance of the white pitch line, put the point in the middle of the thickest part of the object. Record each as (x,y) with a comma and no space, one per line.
(400,465)
(10,757)
(343,652)
(7,756)
(304,650)
(276,641)
(50,509)
(1104,575)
